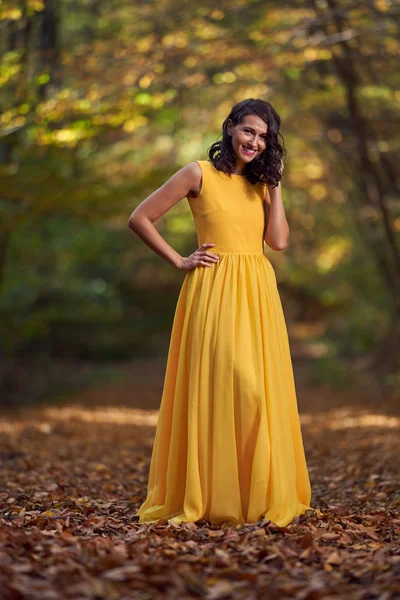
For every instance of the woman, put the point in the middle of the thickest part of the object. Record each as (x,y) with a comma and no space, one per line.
(228,444)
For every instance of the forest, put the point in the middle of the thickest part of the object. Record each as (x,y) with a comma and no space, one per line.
(100,107)
(100,103)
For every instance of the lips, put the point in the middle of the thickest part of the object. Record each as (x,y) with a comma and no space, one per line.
(248,151)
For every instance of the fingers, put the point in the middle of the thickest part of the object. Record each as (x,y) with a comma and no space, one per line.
(203,258)
(208,258)
(205,253)
(213,257)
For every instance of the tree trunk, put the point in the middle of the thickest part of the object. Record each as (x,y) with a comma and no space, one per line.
(377,180)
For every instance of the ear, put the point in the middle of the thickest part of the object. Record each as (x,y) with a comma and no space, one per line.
(229,127)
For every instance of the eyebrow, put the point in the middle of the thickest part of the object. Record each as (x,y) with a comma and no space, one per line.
(248,127)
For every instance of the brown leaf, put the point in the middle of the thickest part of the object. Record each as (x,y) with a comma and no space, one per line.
(124,573)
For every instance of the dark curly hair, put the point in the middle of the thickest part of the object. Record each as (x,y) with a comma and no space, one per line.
(265,168)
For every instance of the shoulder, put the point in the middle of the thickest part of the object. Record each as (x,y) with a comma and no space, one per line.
(194,173)
(194,169)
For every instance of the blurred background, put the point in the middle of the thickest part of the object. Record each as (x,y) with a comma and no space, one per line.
(102,101)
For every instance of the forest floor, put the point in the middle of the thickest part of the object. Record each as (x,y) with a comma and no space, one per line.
(75,472)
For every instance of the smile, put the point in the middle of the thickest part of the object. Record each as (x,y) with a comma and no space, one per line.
(248,151)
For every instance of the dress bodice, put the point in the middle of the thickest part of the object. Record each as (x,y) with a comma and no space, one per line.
(229,212)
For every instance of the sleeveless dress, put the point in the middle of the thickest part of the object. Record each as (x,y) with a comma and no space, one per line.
(228,444)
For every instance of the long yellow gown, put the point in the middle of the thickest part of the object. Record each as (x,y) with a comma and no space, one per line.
(228,443)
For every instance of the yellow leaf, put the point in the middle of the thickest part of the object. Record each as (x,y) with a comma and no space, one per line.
(369,484)
(48,513)
(334,558)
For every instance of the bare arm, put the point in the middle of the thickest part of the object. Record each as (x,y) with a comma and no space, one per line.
(186,181)
(276,231)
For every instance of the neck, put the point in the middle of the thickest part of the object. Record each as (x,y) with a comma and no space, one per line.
(239,166)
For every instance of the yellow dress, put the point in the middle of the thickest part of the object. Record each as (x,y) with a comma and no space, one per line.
(228,444)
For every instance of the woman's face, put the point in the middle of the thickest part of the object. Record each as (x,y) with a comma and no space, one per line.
(249,138)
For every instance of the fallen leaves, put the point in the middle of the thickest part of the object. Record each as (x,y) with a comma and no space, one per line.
(68,525)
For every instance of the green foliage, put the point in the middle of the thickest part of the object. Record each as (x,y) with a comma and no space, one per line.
(66,289)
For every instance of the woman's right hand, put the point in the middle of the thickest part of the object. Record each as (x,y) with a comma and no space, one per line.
(199,258)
